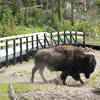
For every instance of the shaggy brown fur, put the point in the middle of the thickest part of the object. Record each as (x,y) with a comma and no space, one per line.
(68,59)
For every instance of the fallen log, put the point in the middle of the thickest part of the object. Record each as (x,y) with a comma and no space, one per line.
(12,93)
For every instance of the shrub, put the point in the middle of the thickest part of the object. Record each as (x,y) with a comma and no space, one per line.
(20,19)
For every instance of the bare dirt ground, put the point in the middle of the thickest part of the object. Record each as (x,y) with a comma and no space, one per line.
(21,73)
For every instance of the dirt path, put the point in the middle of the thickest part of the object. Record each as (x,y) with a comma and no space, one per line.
(21,73)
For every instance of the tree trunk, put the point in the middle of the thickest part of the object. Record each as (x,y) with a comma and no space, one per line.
(72,7)
(41,3)
(52,8)
(25,15)
(59,10)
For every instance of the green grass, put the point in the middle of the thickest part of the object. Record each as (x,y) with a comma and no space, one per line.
(94,80)
(97,42)
(23,30)
(4,89)
(39,28)
(4,95)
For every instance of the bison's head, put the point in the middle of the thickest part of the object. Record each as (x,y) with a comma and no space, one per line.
(89,65)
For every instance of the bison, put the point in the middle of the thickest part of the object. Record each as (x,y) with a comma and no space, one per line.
(70,60)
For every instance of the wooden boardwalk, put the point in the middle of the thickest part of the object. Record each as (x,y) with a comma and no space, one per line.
(14,47)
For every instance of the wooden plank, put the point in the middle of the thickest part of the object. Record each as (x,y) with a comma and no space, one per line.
(32,42)
(27,57)
(21,59)
(64,36)
(84,39)
(6,53)
(47,42)
(14,52)
(70,37)
(33,34)
(61,40)
(58,38)
(37,45)
(44,40)
(76,36)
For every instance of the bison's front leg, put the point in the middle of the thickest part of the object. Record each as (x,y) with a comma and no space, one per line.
(81,81)
(33,72)
(77,77)
(63,77)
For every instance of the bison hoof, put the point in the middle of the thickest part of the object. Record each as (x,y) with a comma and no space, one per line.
(56,81)
(64,84)
(59,82)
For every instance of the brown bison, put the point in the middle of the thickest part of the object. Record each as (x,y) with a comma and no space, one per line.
(68,59)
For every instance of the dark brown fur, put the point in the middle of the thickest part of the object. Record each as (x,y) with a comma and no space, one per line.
(68,59)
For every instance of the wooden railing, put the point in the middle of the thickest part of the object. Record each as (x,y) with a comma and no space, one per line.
(18,47)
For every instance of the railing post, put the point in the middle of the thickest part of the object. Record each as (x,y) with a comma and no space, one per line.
(6,53)
(21,58)
(75,37)
(64,37)
(58,38)
(1,46)
(84,39)
(0,62)
(27,57)
(32,42)
(51,36)
(44,40)
(70,37)
(37,45)
(14,51)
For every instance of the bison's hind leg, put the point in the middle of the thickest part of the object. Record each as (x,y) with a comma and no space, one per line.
(41,73)
(33,72)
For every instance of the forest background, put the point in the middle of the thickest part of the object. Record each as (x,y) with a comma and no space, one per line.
(30,16)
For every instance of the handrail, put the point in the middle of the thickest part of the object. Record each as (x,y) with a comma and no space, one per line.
(33,34)
(13,47)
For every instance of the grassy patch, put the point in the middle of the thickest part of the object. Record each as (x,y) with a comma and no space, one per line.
(92,41)
(4,95)
(39,28)
(23,30)
(94,80)
(4,89)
